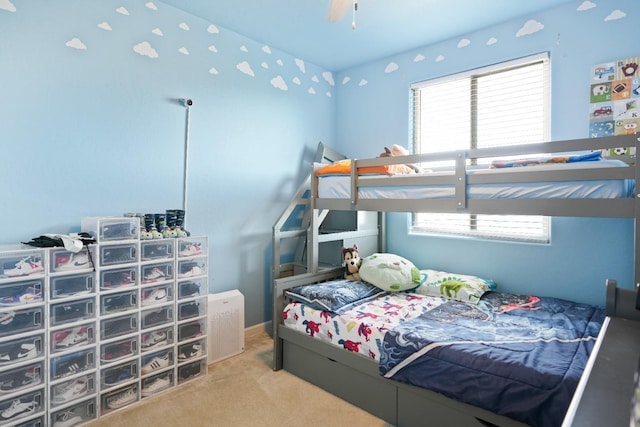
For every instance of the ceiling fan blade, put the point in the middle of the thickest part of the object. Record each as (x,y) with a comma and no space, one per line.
(339,9)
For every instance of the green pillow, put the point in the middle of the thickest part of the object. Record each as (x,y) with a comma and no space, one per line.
(460,287)
(389,272)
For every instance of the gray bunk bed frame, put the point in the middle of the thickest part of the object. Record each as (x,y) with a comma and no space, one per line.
(356,378)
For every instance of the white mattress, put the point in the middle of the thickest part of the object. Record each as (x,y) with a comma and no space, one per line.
(339,186)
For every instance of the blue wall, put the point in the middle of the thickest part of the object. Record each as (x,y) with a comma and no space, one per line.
(97,129)
(373,111)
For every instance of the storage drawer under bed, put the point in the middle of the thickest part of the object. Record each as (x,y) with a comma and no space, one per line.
(374,395)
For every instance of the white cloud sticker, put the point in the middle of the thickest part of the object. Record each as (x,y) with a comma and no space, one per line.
(616,14)
(244,48)
(346,80)
(122,10)
(266,49)
(7,5)
(145,49)
(328,94)
(529,27)
(157,32)
(245,68)
(213,49)
(419,57)
(75,43)
(586,5)
(439,58)
(151,6)
(492,41)
(363,82)
(184,26)
(213,71)
(464,43)
(184,51)
(328,77)
(391,67)
(315,79)
(300,64)
(212,29)
(105,26)
(278,82)
(279,62)
(264,65)
(296,81)
(312,91)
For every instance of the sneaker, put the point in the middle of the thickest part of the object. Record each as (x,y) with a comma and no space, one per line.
(117,351)
(189,371)
(189,351)
(157,295)
(156,317)
(6,317)
(67,419)
(76,337)
(71,390)
(18,381)
(72,262)
(118,279)
(189,289)
(26,296)
(155,386)
(190,330)
(191,270)
(122,399)
(25,267)
(70,365)
(118,375)
(17,407)
(154,275)
(153,340)
(155,364)
(117,303)
(191,249)
(118,231)
(22,352)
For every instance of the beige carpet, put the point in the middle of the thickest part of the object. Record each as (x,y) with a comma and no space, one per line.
(243,391)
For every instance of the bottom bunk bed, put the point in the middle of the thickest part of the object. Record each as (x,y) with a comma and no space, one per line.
(509,360)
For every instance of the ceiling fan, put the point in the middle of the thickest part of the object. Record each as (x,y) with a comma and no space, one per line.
(339,8)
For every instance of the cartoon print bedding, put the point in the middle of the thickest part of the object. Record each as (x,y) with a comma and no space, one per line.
(515,355)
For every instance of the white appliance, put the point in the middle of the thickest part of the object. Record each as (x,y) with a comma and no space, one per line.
(225,327)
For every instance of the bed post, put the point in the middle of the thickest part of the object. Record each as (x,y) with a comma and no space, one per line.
(636,228)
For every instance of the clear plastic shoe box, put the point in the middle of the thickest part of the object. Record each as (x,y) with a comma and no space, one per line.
(21,349)
(114,327)
(23,377)
(113,351)
(16,293)
(63,261)
(191,329)
(155,384)
(72,337)
(152,250)
(152,340)
(69,364)
(192,370)
(20,321)
(109,229)
(119,398)
(119,277)
(156,272)
(156,316)
(72,389)
(192,267)
(192,308)
(192,246)
(72,311)
(118,374)
(191,288)
(192,350)
(118,302)
(78,413)
(155,295)
(117,254)
(21,407)
(157,361)
(73,285)
(18,261)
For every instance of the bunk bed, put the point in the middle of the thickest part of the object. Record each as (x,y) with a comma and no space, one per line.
(470,189)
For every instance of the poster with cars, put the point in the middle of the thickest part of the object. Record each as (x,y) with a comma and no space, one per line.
(615,100)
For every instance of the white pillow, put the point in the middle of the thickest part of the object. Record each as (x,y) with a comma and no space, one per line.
(389,272)
(460,287)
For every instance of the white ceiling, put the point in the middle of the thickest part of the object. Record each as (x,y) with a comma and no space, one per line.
(384,27)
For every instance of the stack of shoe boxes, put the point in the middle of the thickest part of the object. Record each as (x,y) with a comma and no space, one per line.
(83,334)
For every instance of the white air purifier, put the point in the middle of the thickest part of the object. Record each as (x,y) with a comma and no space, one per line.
(225,325)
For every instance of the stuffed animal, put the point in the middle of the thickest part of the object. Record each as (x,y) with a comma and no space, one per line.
(352,261)
(398,150)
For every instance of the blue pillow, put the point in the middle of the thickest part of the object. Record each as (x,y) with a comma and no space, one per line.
(336,296)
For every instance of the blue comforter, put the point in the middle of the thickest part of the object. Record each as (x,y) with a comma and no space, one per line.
(517,356)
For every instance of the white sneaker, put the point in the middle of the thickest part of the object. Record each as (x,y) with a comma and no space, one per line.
(153,340)
(74,262)
(155,364)
(67,419)
(122,399)
(156,386)
(155,296)
(16,408)
(76,336)
(25,267)
(191,250)
(154,275)
(71,390)
(193,271)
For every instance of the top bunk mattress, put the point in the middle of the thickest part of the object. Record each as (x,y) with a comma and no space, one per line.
(339,186)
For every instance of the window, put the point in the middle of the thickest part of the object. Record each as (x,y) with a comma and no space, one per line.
(503,104)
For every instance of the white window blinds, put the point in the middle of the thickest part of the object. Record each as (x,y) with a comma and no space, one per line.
(503,104)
